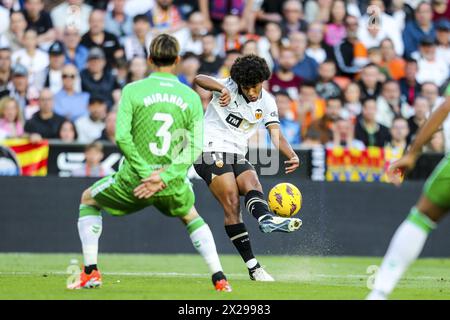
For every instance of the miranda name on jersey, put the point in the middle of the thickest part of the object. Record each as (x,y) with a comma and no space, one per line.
(165,98)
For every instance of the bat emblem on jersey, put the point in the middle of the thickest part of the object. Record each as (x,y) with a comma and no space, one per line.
(258,114)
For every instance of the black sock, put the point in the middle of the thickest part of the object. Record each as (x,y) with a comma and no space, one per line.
(239,236)
(218,276)
(89,269)
(256,204)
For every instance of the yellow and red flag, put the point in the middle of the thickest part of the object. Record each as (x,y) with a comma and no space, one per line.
(32,157)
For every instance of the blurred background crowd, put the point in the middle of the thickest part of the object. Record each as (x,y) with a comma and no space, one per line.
(349,73)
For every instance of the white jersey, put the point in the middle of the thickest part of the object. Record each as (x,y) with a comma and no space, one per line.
(228,129)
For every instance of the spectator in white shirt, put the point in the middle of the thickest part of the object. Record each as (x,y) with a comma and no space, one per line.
(31,56)
(390,104)
(139,41)
(430,67)
(190,38)
(74,13)
(443,41)
(430,91)
(4,17)
(90,127)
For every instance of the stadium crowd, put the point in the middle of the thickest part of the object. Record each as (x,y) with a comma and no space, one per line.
(350,73)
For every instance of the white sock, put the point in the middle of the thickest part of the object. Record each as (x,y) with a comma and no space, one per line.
(251,263)
(404,249)
(203,241)
(90,229)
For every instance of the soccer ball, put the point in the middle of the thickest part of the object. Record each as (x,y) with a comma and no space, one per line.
(285,200)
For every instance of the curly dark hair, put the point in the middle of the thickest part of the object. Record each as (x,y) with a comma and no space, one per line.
(249,70)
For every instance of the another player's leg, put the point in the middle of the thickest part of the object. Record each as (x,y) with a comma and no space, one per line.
(248,184)
(89,229)
(225,189)
(203,241)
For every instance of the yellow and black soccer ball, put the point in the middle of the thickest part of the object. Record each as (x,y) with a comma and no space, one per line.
(285,200)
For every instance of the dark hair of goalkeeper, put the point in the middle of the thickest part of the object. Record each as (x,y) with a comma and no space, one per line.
(164,50)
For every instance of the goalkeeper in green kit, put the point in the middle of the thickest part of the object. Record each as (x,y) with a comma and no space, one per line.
(159,131)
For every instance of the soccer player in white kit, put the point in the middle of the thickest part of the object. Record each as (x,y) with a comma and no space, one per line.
(238,106)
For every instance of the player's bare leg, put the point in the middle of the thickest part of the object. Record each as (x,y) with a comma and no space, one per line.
(203,242)
(250,187)
(226,191)
(406,246)
(89,229)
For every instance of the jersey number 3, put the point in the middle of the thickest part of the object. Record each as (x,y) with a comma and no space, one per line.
(163,133)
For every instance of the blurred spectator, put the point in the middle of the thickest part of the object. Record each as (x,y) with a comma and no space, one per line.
(51,77)
(73,14)
(189,67)
(31,56)
(231,56)
(372,31)
(210,62)
(441,9)
(165,17)
(136,7)
(317,48)
(92,167)
(431,92)
(250,47)
(409,86)
(350,54)
(109,133)
(19,88)
(4,16)
(284,77)
(326,87)
(121,72)
(443,41)
(393,64)
(12,5)
(190,38)
(436,144)
(343,135)
(352,101)
(67,132)
(45,122)
(268,12)
(117,21)
(11,120)
(322,127)
(230,38)
(14,35)
(270,44)
(335,28)
(90,127)
(99,4)
(186,7)
(5,70)
(98,37)
(421,111)
(75,53)
(399,135)
(390,104)
(98,80)
(137,44)
(319,10)
(401,12)
(289,126)
(430,68)
(367,129)
(69,102)
(369,83)
(138,69)
(293,18)
(216,10)
(39,20)
(419,28)
(310,107)
(306,67)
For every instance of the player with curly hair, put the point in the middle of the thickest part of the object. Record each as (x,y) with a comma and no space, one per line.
(239,105)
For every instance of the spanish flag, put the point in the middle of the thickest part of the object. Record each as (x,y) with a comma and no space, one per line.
(32,157)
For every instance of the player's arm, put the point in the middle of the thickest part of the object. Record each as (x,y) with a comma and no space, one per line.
(124,138)
(211,84)
(181,163)
(280,143)
(408,161)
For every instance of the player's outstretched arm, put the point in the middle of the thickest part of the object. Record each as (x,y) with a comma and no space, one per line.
(280,142)
(408,161)
(211,84)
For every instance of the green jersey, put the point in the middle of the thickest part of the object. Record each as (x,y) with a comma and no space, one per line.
(159,124)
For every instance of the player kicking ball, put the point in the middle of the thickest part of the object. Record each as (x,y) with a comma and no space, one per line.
(238,106)
(433,205)
(152,114)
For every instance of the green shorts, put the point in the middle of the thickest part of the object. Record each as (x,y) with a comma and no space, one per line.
(118,200)
(437,187)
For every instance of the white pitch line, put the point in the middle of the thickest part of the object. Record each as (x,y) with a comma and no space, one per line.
(300,277)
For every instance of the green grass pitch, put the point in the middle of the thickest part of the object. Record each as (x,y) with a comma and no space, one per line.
(43,276)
